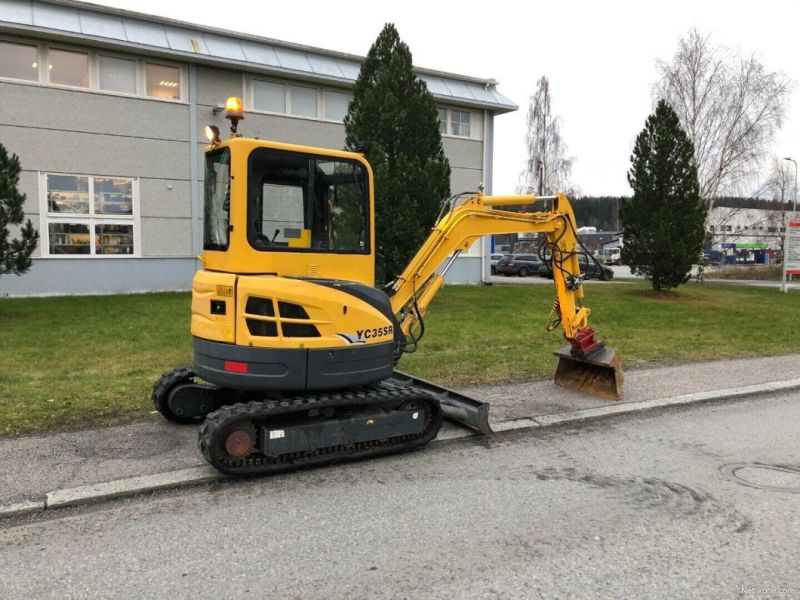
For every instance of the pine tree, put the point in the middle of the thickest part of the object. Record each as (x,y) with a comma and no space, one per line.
(393,109)
(15,253)
(664,220)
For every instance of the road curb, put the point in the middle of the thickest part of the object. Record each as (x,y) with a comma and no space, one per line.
(18,509)
(119,488)
(644,405)
(131,486)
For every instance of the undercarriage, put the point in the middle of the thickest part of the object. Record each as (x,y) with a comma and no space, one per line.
(253,433)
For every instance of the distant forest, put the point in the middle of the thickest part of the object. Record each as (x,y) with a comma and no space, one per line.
(598,211)
(603,211)
(739,202)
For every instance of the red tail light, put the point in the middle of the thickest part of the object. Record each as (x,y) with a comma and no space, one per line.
(233,366)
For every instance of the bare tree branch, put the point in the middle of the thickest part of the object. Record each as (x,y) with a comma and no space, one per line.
(729,105)
(547,167)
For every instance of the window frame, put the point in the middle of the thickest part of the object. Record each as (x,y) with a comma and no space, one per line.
(139,74)
(94,54)
(92,218)
(44,66)
(250,95)
(252,99)
(368,223)
(30,44)
(142,79)
(448,132)
(460,123)
(324,107)
(290,100)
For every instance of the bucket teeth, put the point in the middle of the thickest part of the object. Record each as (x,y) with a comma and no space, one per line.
(599,373)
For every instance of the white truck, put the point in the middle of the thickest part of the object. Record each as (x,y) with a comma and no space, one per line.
(611,256)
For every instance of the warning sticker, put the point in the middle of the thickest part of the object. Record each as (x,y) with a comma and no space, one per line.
(225,291)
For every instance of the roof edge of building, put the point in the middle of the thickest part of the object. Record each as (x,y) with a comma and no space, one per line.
(101,8)
(497,108)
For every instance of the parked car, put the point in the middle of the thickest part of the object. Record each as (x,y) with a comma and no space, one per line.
(518,264)
(493,262)
(587,265)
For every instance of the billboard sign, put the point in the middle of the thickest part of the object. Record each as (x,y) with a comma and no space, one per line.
(791,245)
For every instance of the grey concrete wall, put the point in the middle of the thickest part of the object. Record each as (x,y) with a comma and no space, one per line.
(96,154)
(166,237)
(167,198)
(75,276)
(465,270)
(43,107)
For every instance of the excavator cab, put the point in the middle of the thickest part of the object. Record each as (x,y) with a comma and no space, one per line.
(297,349)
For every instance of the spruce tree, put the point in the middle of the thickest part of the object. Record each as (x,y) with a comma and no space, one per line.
(393,109)
(15,253)
(663,222)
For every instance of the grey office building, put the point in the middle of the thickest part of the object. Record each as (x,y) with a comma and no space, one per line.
(106,109)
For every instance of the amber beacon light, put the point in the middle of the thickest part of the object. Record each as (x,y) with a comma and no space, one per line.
(234,110)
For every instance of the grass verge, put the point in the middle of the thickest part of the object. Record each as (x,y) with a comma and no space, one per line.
(752,272)
(76,360)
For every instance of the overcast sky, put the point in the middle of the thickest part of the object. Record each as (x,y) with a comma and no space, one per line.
(599,56)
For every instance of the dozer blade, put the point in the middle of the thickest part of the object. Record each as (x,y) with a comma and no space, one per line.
(599,373)
(455,406)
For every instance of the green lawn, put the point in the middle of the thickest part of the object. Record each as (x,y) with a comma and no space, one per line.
(72,360)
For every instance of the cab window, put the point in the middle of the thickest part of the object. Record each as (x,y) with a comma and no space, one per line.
(217,201)
(301,202)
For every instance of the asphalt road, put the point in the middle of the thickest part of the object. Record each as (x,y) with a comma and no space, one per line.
(637,506)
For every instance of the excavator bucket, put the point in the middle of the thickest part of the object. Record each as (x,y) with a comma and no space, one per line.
(598,373)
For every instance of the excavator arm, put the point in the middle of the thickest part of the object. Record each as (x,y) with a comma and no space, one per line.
(586,364)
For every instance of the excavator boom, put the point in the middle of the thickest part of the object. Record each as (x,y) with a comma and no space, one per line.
(586,364)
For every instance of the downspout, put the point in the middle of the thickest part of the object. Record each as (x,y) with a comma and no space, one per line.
(194,188)
(488,163)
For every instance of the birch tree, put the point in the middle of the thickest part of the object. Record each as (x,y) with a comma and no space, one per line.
(729,104)
(547,167)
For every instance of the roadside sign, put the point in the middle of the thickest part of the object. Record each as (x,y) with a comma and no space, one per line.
(791,247)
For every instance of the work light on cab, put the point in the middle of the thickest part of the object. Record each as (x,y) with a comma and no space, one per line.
(212,134)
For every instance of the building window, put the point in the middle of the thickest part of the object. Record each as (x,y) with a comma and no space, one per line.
(459,122)
(89,215)
(68,68)
(117,74)
(69,238)
(443,120)
(336,104)
(19,61)
(89,69)
(113,239)
(303,101)
(269,96)
(455,122)
(162,81)
(299,100)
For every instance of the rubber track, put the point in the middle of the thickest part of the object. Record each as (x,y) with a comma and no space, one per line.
(258,412)
(161,391)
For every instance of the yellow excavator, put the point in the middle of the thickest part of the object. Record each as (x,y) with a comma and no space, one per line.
(295,349)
